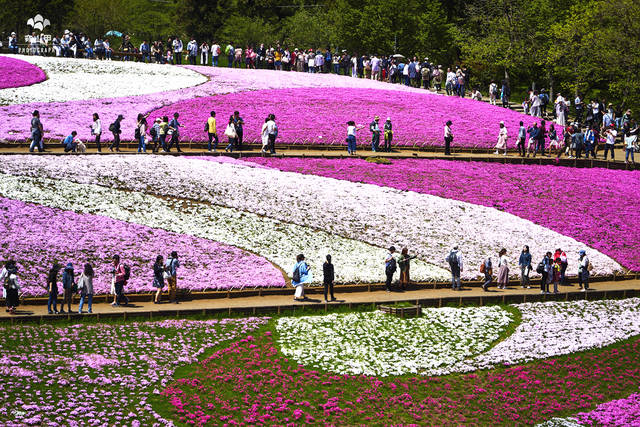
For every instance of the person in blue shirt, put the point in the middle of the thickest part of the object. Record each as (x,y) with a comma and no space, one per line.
(70,143)
(524,262)
(533,138)
(590,142)
(522,136)
(238,122)
(174,127)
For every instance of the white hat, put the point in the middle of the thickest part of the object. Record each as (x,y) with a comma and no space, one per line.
(501,122)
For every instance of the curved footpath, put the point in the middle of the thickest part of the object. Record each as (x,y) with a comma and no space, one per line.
(276,304)
(253,150)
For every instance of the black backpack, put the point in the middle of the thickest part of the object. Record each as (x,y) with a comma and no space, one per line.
(112,127)
(391,266)
(540,267)
(452,259)
(296,275)
(152,132)
(127,271)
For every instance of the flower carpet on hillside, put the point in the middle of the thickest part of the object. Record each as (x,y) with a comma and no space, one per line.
(41,236)
(102,374)
(274,240)
(428,225)
(378,344)
(594,206)
(253,382)
(446,340)
(319,116)
(312,108)
(18,73)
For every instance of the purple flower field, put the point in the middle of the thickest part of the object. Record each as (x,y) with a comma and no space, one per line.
(598,207)
(319,116)
(621,412)
(17,73)
(36,236)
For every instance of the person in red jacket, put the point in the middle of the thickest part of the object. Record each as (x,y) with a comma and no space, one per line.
(120,279)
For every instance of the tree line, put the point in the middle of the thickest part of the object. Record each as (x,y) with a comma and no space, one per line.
(586,46)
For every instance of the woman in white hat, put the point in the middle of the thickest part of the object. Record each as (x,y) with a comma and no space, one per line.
(502,139)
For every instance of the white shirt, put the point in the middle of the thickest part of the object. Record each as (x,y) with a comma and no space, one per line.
(447,131)
(503,132)
(96,127)
(451,77)
(611,136)
(535,100)
(351,130)
(271,127)
(503,261)
(214,49)
(177,46)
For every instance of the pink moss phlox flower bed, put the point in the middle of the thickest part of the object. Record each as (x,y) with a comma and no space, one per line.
(60,118)
(621,412)
(251,382)
(319,116)
(17,73)
(37,236)
(598,207)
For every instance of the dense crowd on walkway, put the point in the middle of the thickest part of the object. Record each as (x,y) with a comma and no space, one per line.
(552,269)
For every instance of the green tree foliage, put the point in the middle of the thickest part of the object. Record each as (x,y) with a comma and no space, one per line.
(243,31)
(597,50)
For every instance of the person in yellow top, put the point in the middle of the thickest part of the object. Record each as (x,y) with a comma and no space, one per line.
(210,128)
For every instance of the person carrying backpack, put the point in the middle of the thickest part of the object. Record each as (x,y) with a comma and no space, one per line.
(121,273)
(171,274)
(524,262)
(300,275)
(486,268)
(454,259)
(390,267)
(68,286)
(375,134)
(544,268)
(114,128)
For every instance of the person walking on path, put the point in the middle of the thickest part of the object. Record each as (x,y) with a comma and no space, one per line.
(448,138)
(610,134)
(85,286)
(524,262)
(11,287)
(375,134)
(328,276)
(522,137)
(503,269)
(388,135)
(454,259)
(163,132)
(390,267)
(486,268)
(52,287)
(68,285)
(141,133)
(584,271)
(630,139)
(37,131)
(351,137)
(272,130)
(231,134)
(115,130)
(300,275)
(556,268)
(502,139)
(239,123)
(174,130)
(264,135)
(404,262)
(158,278)
(212,132)
(121,275)
(544,268)
(171,268)
(96,130)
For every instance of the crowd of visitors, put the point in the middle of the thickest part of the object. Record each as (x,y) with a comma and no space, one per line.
(552,269)
(82,284)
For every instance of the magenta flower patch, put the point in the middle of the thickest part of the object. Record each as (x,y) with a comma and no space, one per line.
(37,236)
(17,73)
(319,116)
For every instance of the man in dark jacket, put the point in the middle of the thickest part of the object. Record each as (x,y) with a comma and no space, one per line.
(328,277)
(116,131)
